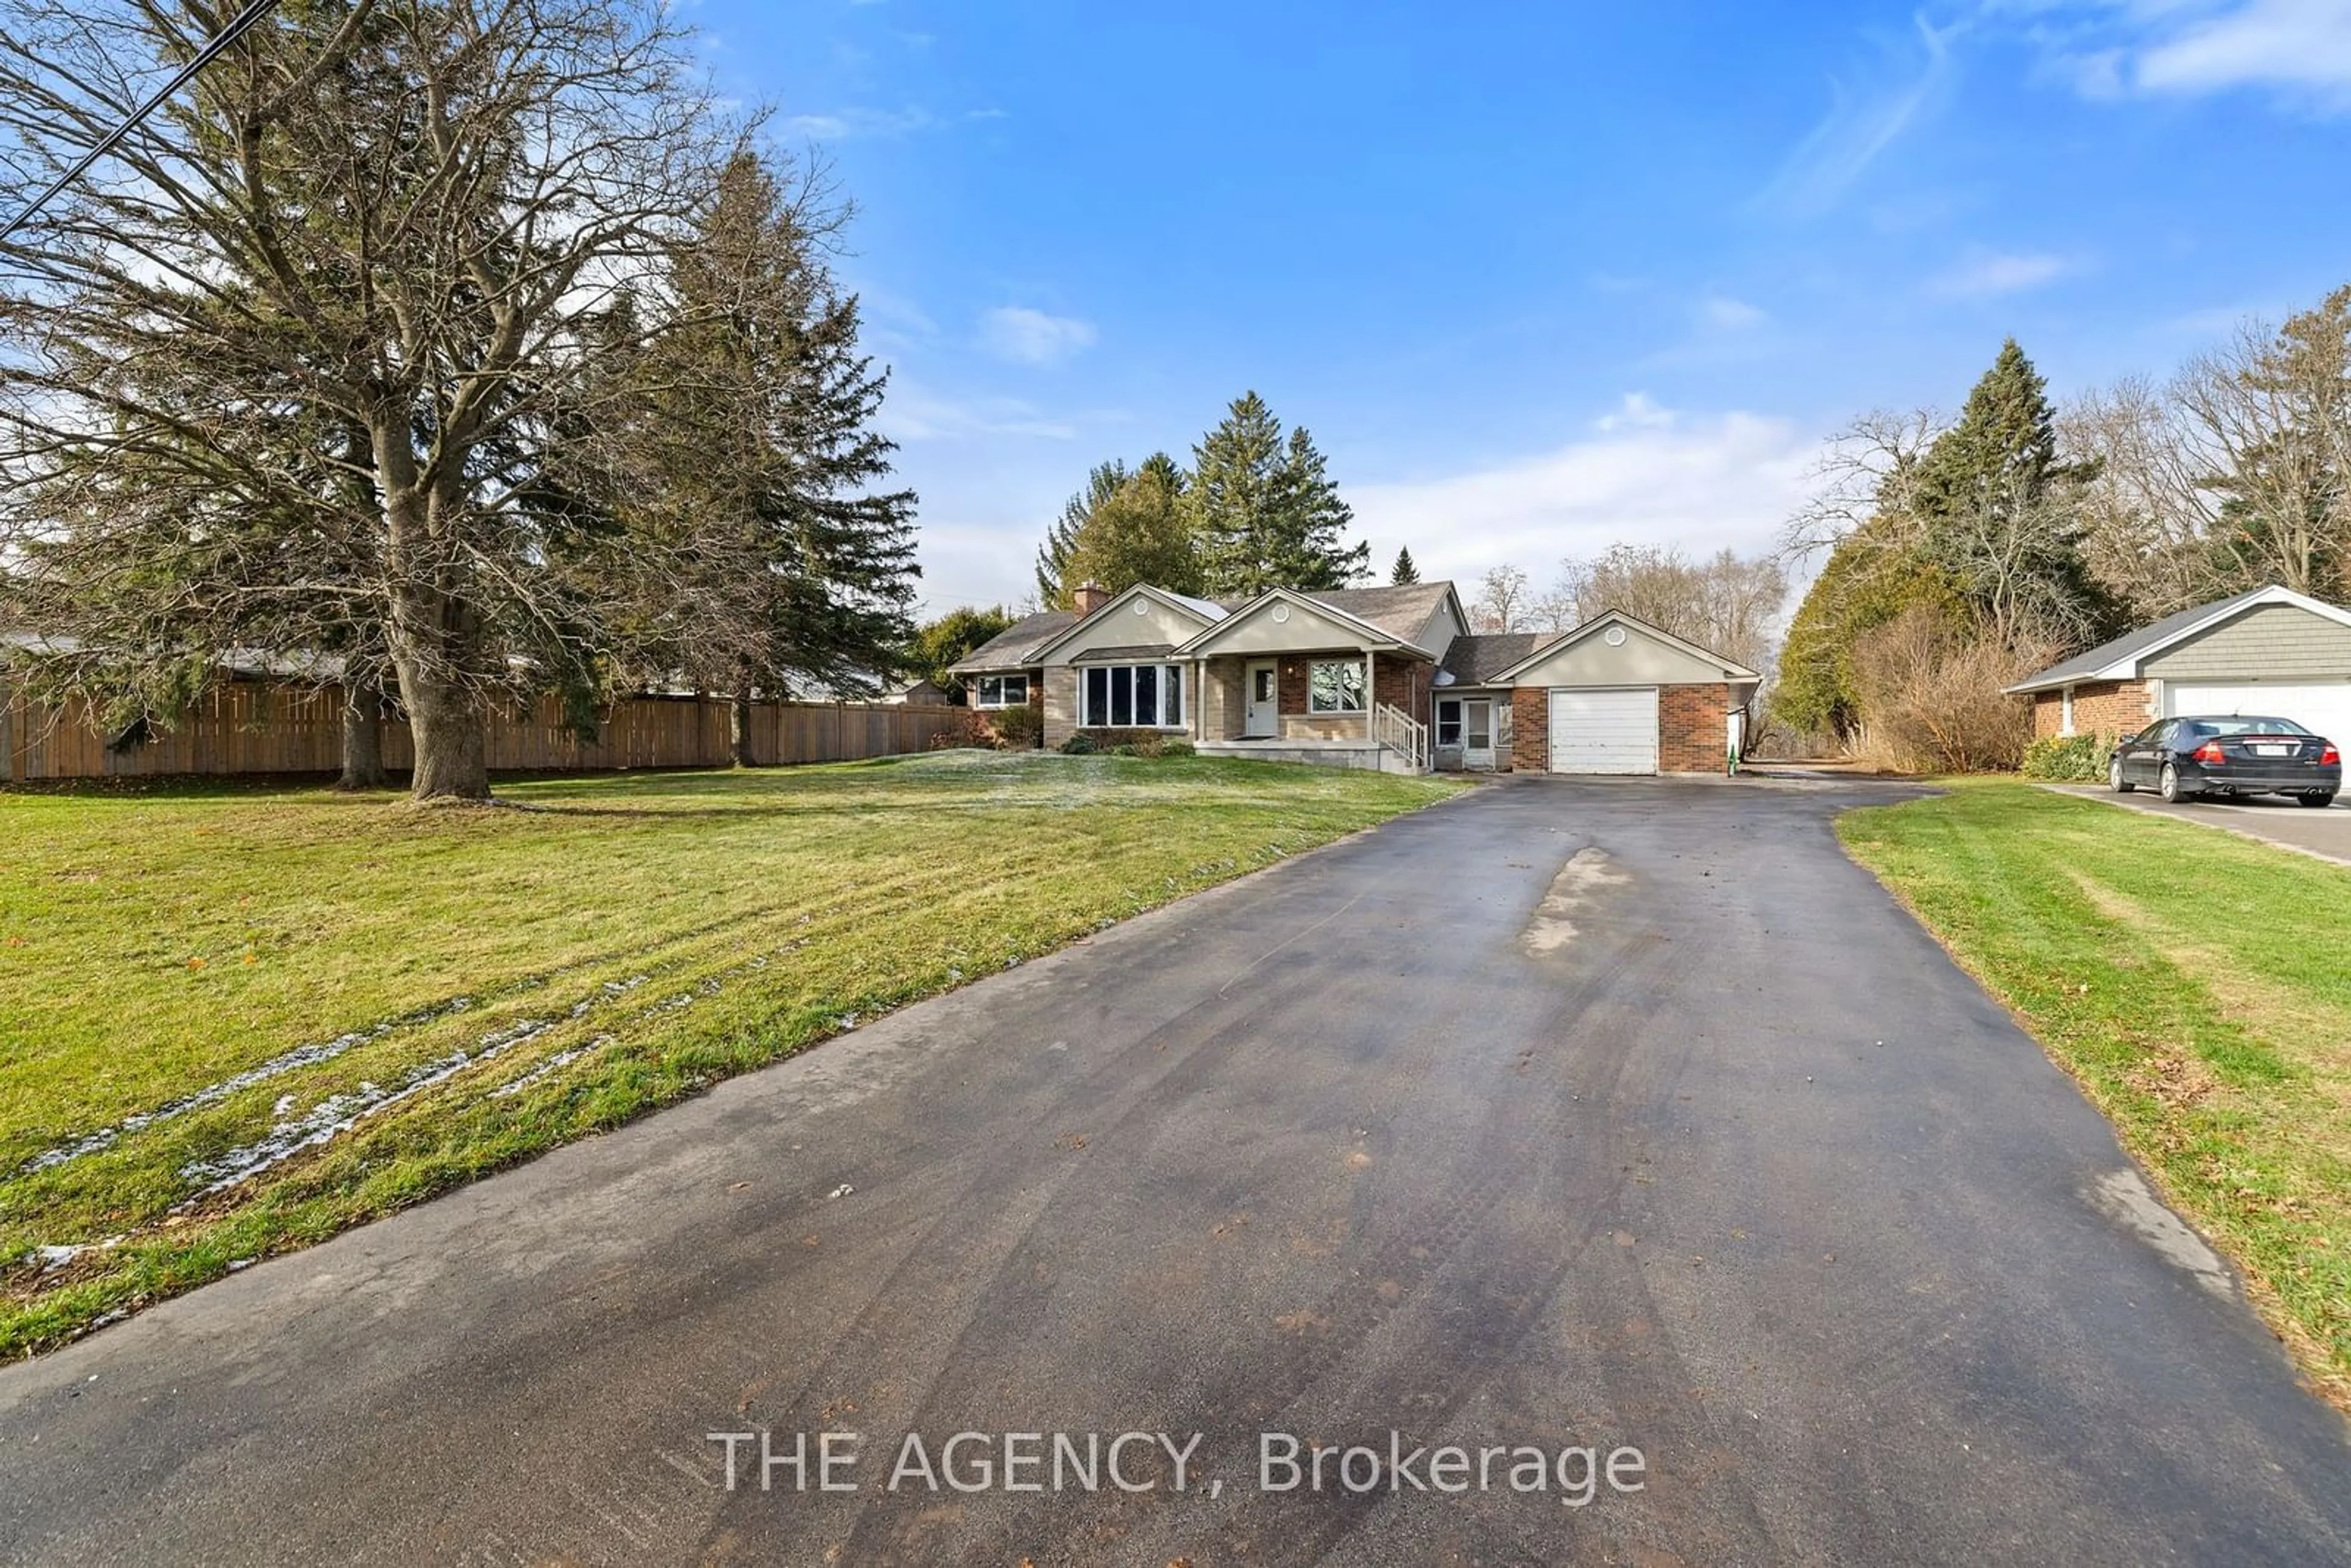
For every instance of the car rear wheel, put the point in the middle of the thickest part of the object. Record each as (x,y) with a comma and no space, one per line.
(2167,786)
(2115,780)
(2317,797)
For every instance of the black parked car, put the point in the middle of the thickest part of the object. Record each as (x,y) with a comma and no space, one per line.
(2183,759)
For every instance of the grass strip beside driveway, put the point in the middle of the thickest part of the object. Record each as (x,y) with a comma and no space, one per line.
(234,1020)
(2198,988)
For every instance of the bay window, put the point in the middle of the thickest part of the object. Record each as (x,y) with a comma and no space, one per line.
(1334,686)
(1000,691)
(1131,696)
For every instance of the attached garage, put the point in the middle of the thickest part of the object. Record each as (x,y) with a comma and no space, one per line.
(2323,708)
(1618,695)
(2269,652)
(1609,729)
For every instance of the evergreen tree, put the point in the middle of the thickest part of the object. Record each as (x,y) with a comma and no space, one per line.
(754,445)
(1140,532)
(1054,579)
(1999,514)
(1403,571)
(1265,510)
(940,642)
(1872,576)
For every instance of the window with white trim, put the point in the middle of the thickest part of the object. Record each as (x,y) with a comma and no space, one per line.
(1448,721)
(1131,696)
(1000,691)
(1334,686)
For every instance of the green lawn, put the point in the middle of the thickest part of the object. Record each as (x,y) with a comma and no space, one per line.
(194,981)
(2200,988)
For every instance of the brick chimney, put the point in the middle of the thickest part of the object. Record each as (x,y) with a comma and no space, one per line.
(1088,597)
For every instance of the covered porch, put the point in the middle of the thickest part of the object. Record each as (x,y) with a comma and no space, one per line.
(1343,707)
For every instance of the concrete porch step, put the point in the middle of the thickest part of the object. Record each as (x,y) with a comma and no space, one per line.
(1364,754)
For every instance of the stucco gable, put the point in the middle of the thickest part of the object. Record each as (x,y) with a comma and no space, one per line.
(1282,622)
(1645,657)
(1140,616)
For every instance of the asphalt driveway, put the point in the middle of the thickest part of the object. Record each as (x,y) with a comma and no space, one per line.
(2272,818)
(1612,1115)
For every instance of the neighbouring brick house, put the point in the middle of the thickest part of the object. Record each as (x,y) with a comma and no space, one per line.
(1364,678)
(2269,652)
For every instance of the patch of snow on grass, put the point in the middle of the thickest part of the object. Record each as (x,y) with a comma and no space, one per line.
(339,1113)
(277,1066)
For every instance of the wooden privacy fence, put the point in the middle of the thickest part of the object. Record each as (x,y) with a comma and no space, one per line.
(248,726)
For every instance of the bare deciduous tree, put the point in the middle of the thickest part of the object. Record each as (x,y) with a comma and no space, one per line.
(2268,419)
(1501,603)
(1866,470)
(2144,513)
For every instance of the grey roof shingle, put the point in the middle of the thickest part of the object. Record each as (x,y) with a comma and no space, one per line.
(2132,643)
(1475,661)
(1400,612)
(1399,609)
(1014,647)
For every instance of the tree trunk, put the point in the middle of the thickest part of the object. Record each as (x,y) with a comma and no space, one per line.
(740,729)
(452,751)
(362,738)
(446,719)
(434,635)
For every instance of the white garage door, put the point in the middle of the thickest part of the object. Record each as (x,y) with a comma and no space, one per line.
(1611,729)
(2325,708)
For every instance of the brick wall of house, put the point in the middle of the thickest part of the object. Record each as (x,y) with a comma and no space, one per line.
(2101,707)
(1223,700)
(1401,684)
(1290,687)
(1530,730)
(1692,727)
(1060,685)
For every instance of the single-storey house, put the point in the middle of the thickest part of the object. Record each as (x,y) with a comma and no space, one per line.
(1364,678)
(2271,651)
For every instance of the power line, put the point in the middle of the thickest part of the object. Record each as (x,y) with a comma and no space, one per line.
(219,42)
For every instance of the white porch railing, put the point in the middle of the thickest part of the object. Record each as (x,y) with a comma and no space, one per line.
(1400,733)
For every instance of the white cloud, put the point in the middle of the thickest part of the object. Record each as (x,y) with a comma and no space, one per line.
(1636,410)
(1862,123)
(1644,475)
(2297,49)
(1029,337)
(1720,310)
(841,125)
(913,413)
(1989,272)
(2291,43)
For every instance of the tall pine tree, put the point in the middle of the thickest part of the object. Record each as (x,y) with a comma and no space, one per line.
(754,445)
(1999,512)
(1267,512)
(1403,571)
(1054,579)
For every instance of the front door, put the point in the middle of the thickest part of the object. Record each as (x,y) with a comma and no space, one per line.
(1477,733)
(1261,720)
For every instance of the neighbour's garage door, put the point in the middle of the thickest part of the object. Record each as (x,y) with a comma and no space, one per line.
(1609,729)
(2323,708)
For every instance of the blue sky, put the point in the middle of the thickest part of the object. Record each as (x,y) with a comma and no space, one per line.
(1538,277)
